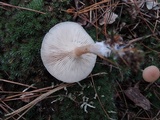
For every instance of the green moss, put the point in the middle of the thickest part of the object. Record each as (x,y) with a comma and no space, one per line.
(22,38)
(21,34)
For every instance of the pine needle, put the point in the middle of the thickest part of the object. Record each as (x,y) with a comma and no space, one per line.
(23,8)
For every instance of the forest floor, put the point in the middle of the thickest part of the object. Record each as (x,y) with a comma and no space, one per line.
(115,90)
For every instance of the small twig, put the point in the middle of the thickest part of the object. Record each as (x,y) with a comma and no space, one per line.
(25,112)
(156,21)
(92,7)
(97,74)
(156,117)
(34,91)
(157,94)
(138,39)
(99,99)
(106,59)
(17,83)
(10,109)
(123,94)
(123,117)
(150,48)
(18,7)
(9,92)
(147,87)
(4,109)
(138,113)
(85,19)
(120,72)
(35,101)
(19,98)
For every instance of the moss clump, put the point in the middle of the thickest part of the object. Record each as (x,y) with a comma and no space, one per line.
(21,35)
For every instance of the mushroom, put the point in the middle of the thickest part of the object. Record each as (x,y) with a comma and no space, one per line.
(69,53)
(151,73)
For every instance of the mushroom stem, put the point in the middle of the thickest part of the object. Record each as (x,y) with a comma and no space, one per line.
(82,50)
(98,48)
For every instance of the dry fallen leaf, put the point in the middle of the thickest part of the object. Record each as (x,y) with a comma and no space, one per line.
(133,93)
(108,18)
(151,4)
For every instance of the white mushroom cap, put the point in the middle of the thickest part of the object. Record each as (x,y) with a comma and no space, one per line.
(151,73)
(57,52)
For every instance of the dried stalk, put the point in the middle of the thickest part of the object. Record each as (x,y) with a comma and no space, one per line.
(18,7)
(100,100)
(35,101)
(8,81)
